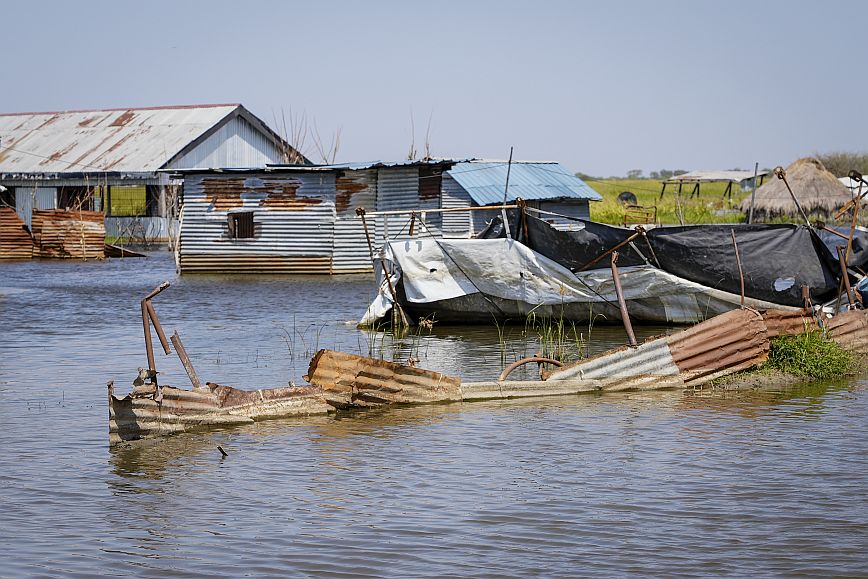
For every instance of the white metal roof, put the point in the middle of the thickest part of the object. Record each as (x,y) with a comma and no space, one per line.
(710,176)
(117,140)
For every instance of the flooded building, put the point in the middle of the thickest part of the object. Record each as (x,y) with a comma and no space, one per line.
(545,186)
(109,160)
(303,219)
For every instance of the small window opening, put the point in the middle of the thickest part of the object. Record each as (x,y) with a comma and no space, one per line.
(241,225)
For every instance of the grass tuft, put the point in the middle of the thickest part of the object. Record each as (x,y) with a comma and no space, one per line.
(810,355)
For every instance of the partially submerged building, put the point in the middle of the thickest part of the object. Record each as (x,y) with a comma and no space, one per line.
(303,219)
(545,186)
(111,160)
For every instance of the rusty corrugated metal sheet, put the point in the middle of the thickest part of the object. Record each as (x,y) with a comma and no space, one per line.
(721,345)
(354,189)
(850,330)
(69,233)
(788,323)
(350,380)
(138,415)
(15,241)
(730,342)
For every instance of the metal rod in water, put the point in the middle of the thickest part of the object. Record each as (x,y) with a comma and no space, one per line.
(625,316)
(738,261)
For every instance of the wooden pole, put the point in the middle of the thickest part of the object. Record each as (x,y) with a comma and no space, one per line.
(738,261)
(625,316)
(505,192)
(753,192)
(845,279)
(782,175)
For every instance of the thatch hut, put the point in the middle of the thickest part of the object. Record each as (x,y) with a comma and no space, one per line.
(817,190)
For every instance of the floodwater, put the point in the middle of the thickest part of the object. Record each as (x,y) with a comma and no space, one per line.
(659,483)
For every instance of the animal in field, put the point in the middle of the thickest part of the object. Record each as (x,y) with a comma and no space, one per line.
(627,198)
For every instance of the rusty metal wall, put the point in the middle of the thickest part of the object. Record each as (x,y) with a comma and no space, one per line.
(68,233)
(293,214)
(15,242)
(787,323)
(354,189)
(850,331)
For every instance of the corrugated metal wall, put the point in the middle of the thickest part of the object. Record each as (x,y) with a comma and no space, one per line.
(293,215)
(573,208)
(354,189)
(29,198)
(460,223)
(236,144)
(398,188)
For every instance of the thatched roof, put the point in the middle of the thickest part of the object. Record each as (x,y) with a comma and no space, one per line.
(817,190)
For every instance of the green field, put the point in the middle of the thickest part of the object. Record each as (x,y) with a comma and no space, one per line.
(709,207)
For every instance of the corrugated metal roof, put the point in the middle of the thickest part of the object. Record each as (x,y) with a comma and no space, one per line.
(715,176)
(116,140)
(485,182)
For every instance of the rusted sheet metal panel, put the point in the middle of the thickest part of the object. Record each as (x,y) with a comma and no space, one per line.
(788,323)
(15,241)
(650,358)
(724,344)
(354,189)
(138,415)
(529,388)
(293,223)
(458,224)
(735,340)
(850,330)
(69,233)
(350,380)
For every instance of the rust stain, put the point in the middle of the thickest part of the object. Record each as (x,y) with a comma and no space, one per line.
(283,194)
(113,148)
(58,155)
(225,194)
(123,119)
(430,180)
(88,121)
(345,188)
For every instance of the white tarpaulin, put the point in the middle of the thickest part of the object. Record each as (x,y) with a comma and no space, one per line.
(435,270)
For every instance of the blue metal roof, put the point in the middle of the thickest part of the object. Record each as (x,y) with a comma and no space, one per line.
(485,181)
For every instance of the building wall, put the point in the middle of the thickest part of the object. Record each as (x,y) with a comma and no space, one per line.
(293,216)
(236,144)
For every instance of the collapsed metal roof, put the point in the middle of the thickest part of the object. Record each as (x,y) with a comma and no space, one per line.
(116,140)
(485,181)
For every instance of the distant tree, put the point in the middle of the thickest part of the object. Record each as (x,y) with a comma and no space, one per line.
(585,176)
(840,163)
(654,175)
(678,172)
(634,174)
(665,174)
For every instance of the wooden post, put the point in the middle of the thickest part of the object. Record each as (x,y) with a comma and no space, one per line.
(753,192)
(505,192)
(625,316)
(738,262)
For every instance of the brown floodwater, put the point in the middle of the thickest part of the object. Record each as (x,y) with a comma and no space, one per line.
(656,483)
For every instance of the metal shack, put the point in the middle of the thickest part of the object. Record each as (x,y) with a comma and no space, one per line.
(109,160)
(302,219)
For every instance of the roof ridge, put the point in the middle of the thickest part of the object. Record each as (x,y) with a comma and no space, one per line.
(153,108)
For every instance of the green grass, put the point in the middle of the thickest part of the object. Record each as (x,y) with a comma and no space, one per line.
(810,355)
(709,207)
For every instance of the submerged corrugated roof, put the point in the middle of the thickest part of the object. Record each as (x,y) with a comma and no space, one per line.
(715,176)
(122,140)
(484,181)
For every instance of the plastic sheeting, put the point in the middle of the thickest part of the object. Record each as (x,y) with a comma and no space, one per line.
(437,270)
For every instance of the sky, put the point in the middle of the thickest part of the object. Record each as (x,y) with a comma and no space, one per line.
(601,87)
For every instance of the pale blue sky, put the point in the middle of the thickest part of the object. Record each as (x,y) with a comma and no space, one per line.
(601,87)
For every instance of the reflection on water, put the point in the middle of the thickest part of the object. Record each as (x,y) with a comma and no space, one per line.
(653,483)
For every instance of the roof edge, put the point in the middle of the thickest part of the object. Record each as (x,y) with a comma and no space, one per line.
(156,108)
